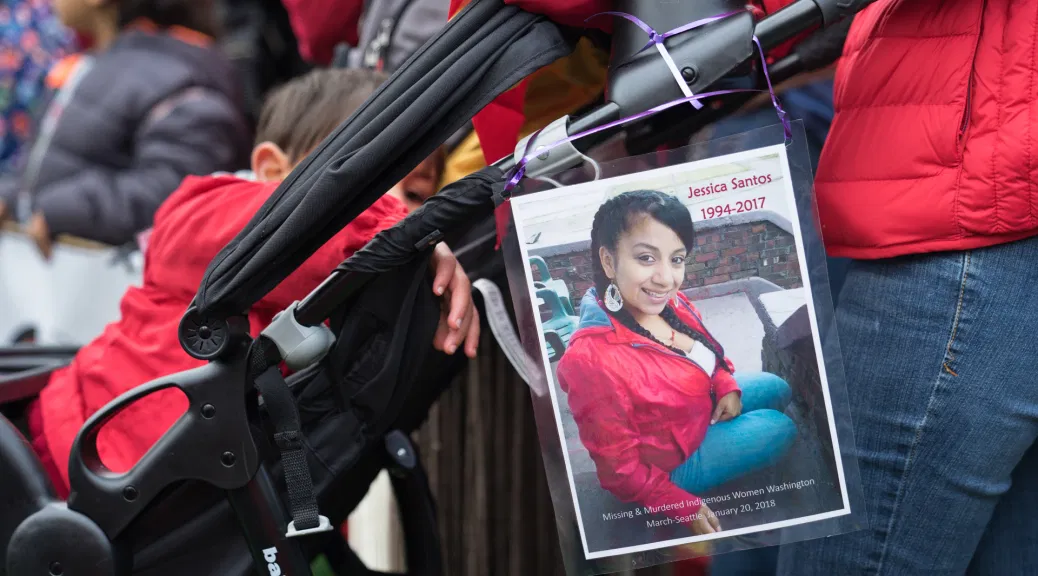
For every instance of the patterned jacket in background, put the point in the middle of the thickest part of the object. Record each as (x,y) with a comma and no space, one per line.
(31,41)
(124,128)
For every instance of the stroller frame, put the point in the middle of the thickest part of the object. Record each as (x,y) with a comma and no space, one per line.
(215,442)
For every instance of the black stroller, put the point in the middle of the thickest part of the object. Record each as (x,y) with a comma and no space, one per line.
(254,475)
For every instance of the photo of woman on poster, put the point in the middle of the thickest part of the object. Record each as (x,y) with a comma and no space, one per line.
(682,387)
(662,411)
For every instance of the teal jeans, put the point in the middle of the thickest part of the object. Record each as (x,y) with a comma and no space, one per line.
(756,439)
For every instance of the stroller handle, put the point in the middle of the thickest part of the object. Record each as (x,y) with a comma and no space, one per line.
(813,53)
(468,204)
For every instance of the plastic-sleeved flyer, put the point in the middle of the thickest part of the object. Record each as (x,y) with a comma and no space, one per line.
(677,312)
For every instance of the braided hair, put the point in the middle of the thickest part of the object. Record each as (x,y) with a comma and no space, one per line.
(613,219)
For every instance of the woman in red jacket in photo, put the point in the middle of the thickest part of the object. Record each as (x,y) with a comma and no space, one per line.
(657,404)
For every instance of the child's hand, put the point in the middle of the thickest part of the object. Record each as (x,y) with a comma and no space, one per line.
(40,234)
(727,408)
(459,319)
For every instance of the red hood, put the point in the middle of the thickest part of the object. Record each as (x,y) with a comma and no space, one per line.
(196,215)
(191,227)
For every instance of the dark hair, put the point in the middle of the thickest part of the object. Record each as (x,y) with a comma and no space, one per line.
(613,219)
(299,114)
(197,15)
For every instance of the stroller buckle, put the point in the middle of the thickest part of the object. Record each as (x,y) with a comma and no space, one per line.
(323,525)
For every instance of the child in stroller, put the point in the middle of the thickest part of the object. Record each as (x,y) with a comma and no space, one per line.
(190,228)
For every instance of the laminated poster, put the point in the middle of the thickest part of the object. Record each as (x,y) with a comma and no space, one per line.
(680,342)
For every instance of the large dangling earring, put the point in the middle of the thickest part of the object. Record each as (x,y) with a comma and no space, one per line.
(614,301)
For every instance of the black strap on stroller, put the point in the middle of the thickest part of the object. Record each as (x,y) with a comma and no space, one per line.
(287,458)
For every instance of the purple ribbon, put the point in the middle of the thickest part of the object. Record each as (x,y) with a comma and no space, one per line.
(515,175)
(519,170)
(771,90)
(655,38)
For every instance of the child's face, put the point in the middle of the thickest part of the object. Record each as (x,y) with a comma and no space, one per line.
(420,185)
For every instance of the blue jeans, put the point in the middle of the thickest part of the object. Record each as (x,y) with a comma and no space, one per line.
(942,373)
(754,440)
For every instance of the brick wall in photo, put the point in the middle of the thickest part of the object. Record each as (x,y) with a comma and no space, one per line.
(741,251)
(721,254)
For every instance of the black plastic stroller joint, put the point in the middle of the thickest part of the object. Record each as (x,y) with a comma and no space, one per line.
(299,345)
(641,80)
(211,336)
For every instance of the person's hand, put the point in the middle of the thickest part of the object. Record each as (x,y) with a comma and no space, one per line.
(459,319)
(728,407)
(40,234)
(706,522)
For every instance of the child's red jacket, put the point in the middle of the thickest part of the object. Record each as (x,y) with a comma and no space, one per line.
(194,223)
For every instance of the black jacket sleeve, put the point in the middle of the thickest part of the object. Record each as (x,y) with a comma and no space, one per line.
(197,131)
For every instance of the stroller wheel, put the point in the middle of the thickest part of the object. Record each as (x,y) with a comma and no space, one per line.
(74,545)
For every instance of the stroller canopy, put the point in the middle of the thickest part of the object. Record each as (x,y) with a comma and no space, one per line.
(483,51)
(480,58)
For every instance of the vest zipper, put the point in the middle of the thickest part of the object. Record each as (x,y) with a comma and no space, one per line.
(965,122)
(966,114)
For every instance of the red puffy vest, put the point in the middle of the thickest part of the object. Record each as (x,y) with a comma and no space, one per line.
(933,145)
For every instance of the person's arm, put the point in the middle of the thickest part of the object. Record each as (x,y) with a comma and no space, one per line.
(196,132)
(459,325)
(723,381)
(600,407)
